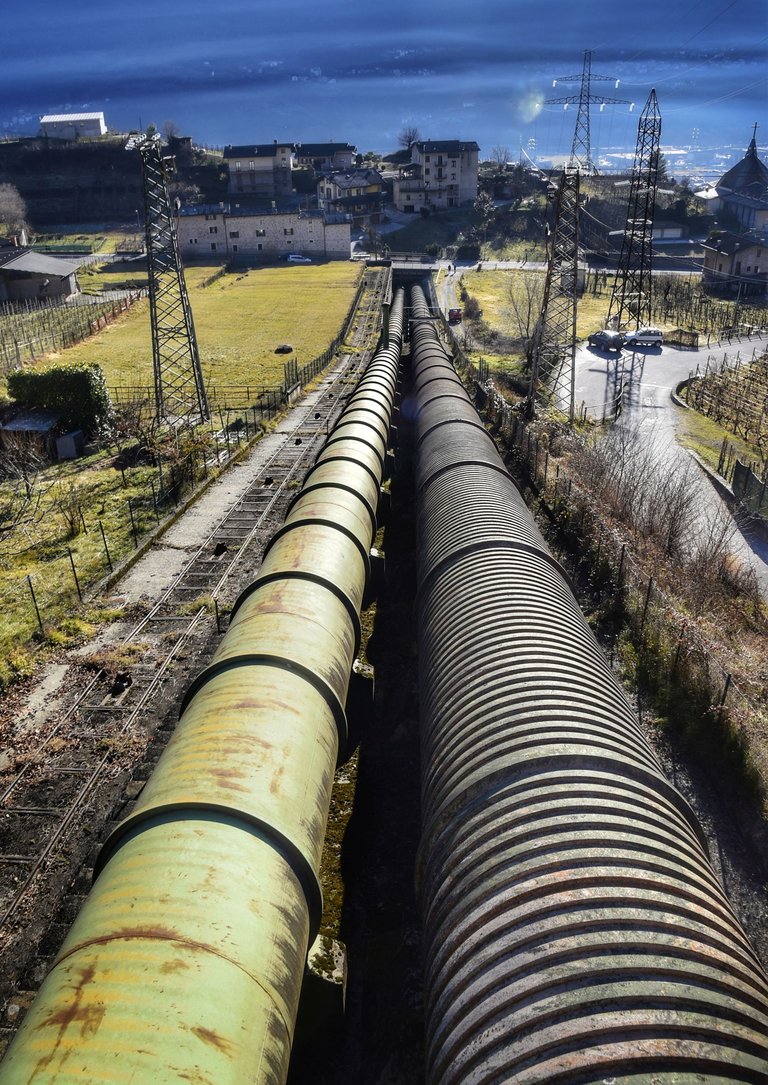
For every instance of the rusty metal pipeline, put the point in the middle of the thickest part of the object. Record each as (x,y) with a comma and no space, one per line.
(575,930)
(186,961)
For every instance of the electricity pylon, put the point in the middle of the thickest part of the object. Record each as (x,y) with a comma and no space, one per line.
(581,149)
(631,297)
(179,390)
(553,369)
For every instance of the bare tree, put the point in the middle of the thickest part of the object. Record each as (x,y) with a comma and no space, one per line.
(21,496)
(500,155)
(525,295)
(13,210)
(408,136)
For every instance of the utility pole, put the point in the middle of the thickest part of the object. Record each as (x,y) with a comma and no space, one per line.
(179,390)
(553,367)
(581,148)
(631,297)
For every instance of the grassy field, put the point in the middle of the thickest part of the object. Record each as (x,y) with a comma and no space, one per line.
(239,319)
(495,291)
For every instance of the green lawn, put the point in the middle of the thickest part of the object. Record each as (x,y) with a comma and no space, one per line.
(239,319)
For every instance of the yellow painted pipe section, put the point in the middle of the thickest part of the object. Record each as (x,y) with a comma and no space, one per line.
(186,961)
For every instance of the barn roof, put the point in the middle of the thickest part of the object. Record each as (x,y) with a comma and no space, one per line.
(37,263)
(58,118)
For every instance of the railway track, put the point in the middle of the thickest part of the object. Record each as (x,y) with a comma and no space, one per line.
(93,743)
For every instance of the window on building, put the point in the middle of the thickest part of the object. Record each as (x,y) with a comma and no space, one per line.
(426,158)
(251,165)
(719,267)
(261,233)
(213,246)
(210,218)
(426,172)
(234,233)
(259,247)
(453,176)
(453,163)
(234,248)
(213,229)
(287,230)
(237,166)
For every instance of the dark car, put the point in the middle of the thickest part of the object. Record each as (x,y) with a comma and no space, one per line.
(454,316)
(606,340)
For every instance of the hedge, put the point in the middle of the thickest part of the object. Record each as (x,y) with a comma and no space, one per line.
(77,393)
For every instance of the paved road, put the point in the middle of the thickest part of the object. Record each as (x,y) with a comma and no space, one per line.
(650,377)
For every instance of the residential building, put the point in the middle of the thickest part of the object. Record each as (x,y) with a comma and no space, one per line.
(213,233)
(359,194)
(325,157)
(73,125)
(736,264)
(260,169)
(441,173)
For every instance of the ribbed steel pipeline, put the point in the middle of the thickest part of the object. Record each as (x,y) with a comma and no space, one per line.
(575,930)
(186,961)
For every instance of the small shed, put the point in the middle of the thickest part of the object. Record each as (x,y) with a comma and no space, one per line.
(73,125)
(27,275)
(31,429)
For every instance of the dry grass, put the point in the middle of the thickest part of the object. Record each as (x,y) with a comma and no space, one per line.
(239,320)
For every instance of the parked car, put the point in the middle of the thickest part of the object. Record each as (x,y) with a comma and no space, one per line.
(297,258)
(454,316)
(647,337)
(606,340)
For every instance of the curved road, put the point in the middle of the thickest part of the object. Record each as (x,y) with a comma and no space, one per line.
(650,376)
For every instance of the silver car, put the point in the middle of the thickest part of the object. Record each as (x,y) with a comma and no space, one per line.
(646,337)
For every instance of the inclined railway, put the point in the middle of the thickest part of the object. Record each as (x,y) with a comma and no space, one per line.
(47,806)
(574,930)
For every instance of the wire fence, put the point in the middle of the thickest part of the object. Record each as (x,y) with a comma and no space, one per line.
(30,330)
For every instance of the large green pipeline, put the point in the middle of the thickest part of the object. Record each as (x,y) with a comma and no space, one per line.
(186,961)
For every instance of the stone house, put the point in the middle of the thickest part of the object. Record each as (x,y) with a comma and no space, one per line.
(359,194)
(736,264)
(260,169)
(441,173)
(214,233)
(325,157)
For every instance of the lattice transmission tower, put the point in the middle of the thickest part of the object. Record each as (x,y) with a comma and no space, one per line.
(581,148)
(179,389)
(553,372)
(631,297)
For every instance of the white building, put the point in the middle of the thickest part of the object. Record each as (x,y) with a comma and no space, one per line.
(207,233)
(72,125)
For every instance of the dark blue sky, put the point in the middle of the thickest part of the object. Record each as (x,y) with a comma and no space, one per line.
(254,70)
